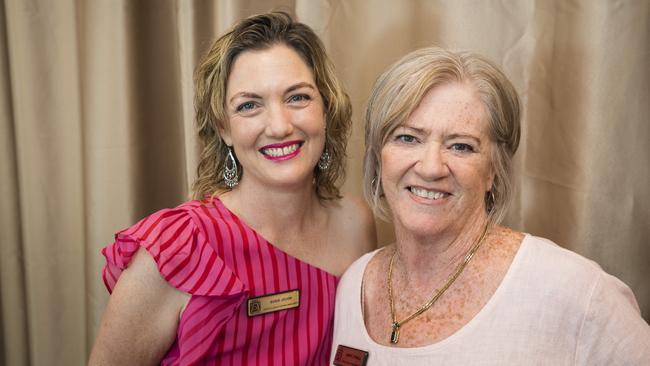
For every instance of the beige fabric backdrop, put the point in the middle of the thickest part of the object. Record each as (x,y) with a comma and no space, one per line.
(96,130)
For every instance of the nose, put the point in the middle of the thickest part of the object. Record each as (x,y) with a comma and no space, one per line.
(431,162)
(279,122)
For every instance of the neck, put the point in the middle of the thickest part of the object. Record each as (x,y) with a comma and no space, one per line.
(273,211)
(434,257)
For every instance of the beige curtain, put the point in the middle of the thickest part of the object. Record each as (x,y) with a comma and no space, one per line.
(96,130)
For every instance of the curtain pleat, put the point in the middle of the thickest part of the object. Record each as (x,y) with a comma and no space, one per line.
(14,341)
(97,130)
(43,59)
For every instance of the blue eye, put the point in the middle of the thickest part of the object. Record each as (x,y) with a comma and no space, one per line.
(299,98)
(245,107)
(462,147)
(405,138)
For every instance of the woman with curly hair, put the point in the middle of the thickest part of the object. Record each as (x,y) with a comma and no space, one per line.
(245,273)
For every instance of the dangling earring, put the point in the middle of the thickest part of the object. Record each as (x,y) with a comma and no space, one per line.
(230,176)
(489,200)
(324,160)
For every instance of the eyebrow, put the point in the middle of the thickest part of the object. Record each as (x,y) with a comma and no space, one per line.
(460,135)
(450,137)
(303,84)
(245,95)
(414,129)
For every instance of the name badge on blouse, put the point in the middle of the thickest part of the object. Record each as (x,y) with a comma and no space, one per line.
(273,302)
(348,356)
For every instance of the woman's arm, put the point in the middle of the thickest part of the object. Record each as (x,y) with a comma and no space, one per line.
(141,318)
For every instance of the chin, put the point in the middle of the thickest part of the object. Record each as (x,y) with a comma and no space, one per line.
(420,226)
(294,181)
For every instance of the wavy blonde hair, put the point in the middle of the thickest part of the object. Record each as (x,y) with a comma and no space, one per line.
(257,33)
(398,92)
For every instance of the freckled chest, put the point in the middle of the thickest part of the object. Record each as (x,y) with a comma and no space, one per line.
(457,307)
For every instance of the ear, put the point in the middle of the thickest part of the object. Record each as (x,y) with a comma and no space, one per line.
(490,181)
(225,135)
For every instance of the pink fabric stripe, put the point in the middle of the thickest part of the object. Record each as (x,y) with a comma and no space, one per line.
(182,266)
(275,288)
(207,267)
(186,270)
(298,341)
(220,344)
(330,316)
(191,324)
(149,229)
(218,279)
(135,228)
(226,219)
(312,300)
(255,279)
(109,278)
(213,229)
(196,306)
(230,341)
(174,237)
(206,250)
(263,338)
(220,229)
(287,324)
(319,325)
(243,256)
(231,283)
(326,315)
(198,337)
(230,240)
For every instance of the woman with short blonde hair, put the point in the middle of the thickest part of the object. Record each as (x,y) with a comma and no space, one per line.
(457,288)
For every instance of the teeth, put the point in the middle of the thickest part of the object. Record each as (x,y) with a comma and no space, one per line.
(420,192)
(280,151)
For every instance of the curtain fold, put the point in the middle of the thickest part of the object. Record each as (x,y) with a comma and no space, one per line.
(45,95)
(14,341)
(97,130)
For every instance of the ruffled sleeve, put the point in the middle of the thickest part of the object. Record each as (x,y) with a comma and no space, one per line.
(184,258)
(187,261)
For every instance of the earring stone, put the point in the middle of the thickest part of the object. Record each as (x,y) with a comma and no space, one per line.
(324,160)
(230,176)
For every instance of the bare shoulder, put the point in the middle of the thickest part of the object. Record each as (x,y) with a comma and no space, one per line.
(376,268)
(350,232)
(506,240)
(499,250)
(353,222)
(141,318)
(375,286)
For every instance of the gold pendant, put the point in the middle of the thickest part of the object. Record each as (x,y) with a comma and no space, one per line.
(394,334)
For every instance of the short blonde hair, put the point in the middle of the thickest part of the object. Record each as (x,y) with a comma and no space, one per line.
(398,92)
(257,33)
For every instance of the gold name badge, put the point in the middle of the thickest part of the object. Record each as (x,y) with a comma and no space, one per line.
(274,302)
(348,356)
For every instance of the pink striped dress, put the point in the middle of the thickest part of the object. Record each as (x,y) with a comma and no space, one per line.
(203,249)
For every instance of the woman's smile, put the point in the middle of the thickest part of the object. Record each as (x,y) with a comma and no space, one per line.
(427,194)
(282,151)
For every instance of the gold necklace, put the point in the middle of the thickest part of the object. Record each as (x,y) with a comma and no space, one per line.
(395,325)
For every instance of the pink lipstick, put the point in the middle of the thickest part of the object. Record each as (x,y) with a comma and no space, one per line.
(281,151)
